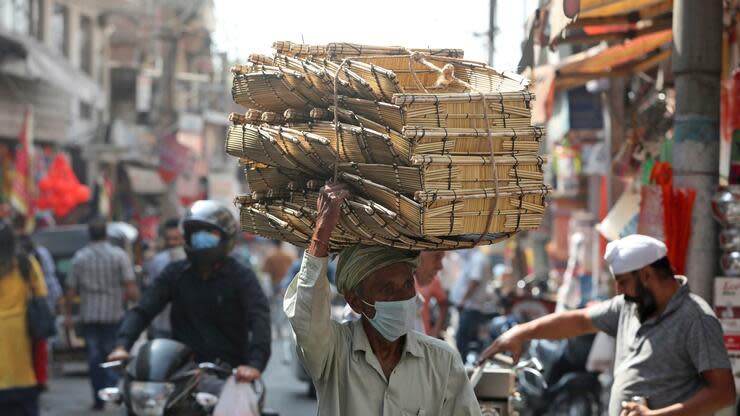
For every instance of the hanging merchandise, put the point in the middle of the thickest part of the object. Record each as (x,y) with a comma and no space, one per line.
(567,165)
(61,191)
(678,204)
(623,218)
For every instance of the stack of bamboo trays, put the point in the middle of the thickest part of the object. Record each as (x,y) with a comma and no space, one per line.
(439,151)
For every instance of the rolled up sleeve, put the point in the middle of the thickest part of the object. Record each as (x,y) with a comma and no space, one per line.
(308,307)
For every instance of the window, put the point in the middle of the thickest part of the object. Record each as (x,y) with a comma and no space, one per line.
(60,28)
(15,16)
(85,39)
(86,111)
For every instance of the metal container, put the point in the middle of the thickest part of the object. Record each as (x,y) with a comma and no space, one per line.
(729,239)
(495,384)
(726,205)
(730,263)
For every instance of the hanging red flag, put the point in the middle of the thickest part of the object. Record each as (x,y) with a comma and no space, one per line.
(21,191)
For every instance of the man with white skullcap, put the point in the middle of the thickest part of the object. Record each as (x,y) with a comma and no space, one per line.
(670,348)
(377,365)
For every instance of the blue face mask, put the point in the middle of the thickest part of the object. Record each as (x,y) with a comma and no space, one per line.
(393,319)
(202,240)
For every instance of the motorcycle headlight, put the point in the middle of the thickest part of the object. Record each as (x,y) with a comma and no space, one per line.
(149,399)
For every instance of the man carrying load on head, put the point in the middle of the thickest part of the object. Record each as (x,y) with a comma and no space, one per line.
(377,365)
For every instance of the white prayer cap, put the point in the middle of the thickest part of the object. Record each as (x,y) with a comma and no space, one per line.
(633,253)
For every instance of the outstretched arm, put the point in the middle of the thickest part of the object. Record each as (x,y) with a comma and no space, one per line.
(554,326)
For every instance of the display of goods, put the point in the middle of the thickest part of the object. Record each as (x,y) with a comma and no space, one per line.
(438,151)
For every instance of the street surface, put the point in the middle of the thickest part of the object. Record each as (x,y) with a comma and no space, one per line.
(70,395)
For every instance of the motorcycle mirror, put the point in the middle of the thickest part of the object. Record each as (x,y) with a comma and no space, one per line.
(207,400)
(110,394)
(537,364)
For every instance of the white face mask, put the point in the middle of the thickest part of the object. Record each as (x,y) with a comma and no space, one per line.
(393,319)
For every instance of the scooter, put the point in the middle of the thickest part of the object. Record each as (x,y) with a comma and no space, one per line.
(551,380)
(163,380)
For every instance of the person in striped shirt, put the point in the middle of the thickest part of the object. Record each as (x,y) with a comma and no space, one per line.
(102,275)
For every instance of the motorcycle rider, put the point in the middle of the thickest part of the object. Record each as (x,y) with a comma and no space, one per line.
(218,307)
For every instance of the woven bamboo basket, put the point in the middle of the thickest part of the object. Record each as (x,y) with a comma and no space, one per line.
(273,89)
(339,50)
(361,221)
(432,173)
(262,178)
(409,73)
(460,212)
(315,74)
(463,110)
(357,143)
(281,147)
(472,142)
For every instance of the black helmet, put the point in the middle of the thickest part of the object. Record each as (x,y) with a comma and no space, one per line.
(210,215)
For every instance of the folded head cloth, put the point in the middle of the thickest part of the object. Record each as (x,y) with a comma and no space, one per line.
(358,262)
(633,253)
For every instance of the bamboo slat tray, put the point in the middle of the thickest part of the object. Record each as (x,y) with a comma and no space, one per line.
(463,110)
(273,89)
(433,173)
(339,50)
(362,221)
(459,212)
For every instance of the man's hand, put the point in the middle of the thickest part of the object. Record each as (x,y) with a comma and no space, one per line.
(118,354)
(247,374)
(510,341)
(328,209)
(634,409)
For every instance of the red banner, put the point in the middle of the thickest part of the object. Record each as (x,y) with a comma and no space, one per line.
(21,192)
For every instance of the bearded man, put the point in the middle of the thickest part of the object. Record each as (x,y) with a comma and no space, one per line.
(377,365)
(670,348)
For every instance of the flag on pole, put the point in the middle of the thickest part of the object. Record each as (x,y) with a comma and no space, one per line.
(21,191)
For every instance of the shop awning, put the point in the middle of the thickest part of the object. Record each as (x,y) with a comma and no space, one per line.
(26,58)
(589,21)
(145,181)
(636,55)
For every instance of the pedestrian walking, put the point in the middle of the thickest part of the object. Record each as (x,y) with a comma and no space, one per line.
(429,287)
(20,278)
(103,277)
(173,250)
(377,364)
(670,350)
(472,296)
(41,347)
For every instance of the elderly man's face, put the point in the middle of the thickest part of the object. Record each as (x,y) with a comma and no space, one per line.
(394,282)
(430,263)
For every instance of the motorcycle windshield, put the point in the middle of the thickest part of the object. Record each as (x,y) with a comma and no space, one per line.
(159,359)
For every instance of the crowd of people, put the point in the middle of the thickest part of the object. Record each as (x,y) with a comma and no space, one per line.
(416,316)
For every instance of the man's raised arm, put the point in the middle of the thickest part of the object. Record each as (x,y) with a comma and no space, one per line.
(308,298)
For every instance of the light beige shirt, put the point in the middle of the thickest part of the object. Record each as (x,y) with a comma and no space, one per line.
(429,380)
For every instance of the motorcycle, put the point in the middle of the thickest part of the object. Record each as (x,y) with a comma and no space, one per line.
(552,380)
(163,380)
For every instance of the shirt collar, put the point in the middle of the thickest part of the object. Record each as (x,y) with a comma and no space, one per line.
(678,297)
(361,343)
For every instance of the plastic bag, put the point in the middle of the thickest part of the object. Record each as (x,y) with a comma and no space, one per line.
(237,399)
